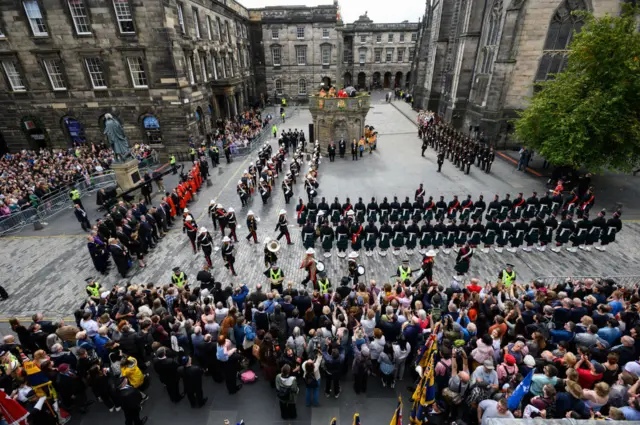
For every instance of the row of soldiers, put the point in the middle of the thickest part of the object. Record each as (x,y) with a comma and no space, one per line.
(291,139)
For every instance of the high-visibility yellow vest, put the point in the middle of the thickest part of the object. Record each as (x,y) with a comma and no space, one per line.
(75,194)
(179,280)
(276,275)
(404,274)
(94,290)
(507,278)
(172,160)
(324,286)
(193,151)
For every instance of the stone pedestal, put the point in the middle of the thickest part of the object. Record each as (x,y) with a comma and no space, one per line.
(127,174)
(338,118)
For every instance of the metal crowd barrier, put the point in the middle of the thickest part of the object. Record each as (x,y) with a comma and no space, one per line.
(628,281)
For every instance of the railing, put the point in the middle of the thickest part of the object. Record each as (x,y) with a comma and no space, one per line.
(628,281)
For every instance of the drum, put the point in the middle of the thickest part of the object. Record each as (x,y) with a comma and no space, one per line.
(320,266)
(360,270)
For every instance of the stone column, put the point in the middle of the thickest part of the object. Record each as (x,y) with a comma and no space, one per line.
(231,100)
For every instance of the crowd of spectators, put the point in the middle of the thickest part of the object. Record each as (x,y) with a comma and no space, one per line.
(241,130)
(578,342)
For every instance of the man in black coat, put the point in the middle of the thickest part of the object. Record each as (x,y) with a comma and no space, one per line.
(167,369)
(82,217)
(192,379)
(130,399)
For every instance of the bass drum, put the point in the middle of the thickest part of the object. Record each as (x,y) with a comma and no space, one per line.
(320,266)
(360,270)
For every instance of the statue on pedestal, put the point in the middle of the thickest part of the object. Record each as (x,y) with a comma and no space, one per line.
(117,139)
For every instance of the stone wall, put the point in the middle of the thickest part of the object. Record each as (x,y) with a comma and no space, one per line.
(338,118)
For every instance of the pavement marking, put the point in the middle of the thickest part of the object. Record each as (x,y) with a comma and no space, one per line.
(508,158)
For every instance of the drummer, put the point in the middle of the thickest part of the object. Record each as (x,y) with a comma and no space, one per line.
(426,267)
(353,268)
(275,276)
(311,265)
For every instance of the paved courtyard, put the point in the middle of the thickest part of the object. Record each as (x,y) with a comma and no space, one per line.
(46,271)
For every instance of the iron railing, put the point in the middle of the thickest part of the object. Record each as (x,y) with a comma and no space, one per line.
(628,281)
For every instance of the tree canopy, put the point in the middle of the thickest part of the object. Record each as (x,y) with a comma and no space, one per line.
(589,115)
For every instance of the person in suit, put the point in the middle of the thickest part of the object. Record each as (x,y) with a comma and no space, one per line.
(192,379)
(130,400)
(167,370)
(82,217)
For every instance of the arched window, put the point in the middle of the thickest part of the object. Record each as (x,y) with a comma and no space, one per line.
(151,129)
(278,86)
(74,130)
(302,87)
(492,38)
(561,29)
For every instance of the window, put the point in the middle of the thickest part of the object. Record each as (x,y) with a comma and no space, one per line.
(124,16)
(279,86)
(414,36)
(136,70)
(363,38)
(325,34)
(556,46)
(491,42)
(377,55)
(189,64)
(54,71)
(79,17)
(389,55)
(275,33)
(214,66)
(209,29)
(412,54)
(196,23)
(38,26)
(401,38)
(219,24)
(301,55)
(203,67)
(378,38)
(362,56)
(302,87)
(400,55)
(181,19)
(232,66)
(276,55)
(13,76)
(300,32)
(226,29)
(96,75)
(326,55)
(390,38)
(346,56)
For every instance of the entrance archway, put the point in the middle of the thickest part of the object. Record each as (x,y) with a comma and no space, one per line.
(347,79)
(151,130)
(376,80)
(362,80)
(407,79)
(327,82)
(35,131)
(398,81)
(387,80)
(74,130)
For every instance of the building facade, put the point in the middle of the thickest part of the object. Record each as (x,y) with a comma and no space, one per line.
(167,70)
(478,61)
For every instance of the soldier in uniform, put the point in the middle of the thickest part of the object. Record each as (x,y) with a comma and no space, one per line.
(520,229)
(489,161)
(580,236)
(336,212)
(536,228)
(301,211)
(360,210)
(505,234)
(429,208)
(463,259)
(342,236)
(346,207)
(413,234)
(227,255)
(416,213)
(190,227)
(352,268)
(598,226)
(269,256)
(565,230)
(466,207)
(395,210)
(385,237)
(477,230)
(287,189)
(324,207)
(505,207)
(545,205)
(439,233)
(265,190)
(385,210)
(252,227)
(441,208)
(405,210)
(332,151)
(326,237)
(546,237)
(440,159)
(420,194)
(357,235)
(243,193)
(492,230)
(283,226)
(424,145)
(450,237)
(309,264)
(426,236)
(453,207)
(399,233)
(205,241)
(370,237)
(614,225)
(308,235)
(372,210)
(463,233)
(519,204)
(571,202)
(588,199)
(312,208)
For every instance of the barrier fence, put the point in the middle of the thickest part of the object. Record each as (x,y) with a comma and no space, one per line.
(628,281)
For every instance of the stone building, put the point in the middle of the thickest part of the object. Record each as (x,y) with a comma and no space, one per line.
(166,70)
(377,55)
(478,61)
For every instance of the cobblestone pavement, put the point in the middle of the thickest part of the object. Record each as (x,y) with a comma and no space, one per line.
(47,273)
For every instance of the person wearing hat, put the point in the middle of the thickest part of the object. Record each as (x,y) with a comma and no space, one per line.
(399,232)
(370,237)
(324,283)
(427,267)
(309,263)
(275,276)
(287,189)
(179,278)
(243,192)
(404,272)
(227,255)
(357,235)
(507,275)
(232,223)
(93,288)
(205,241)
(130,400)
(463,259)
(485,373)
(308,235)
(265,190)
(608,234)
(252,227)
(270,257)
(191,228)
(283,226)
(326,237)
(507,370)
(221,217)
(352,268)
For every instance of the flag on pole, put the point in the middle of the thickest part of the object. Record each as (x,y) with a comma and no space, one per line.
(425,393)
(334,421)
(356,419)
(12,411)
(523,388)
(397,415)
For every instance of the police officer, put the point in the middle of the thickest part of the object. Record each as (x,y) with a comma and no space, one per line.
(74,194)
(275,276)
(172,163)
(404,272)
(179,278)
(324,284)
(507,275)
(93,289)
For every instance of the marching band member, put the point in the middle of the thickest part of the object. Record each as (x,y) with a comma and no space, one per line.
(357,234)
(326,235)
(270,256)
(191,229)
(283,226)
(342,236)
(252,227)
(385,238)
(287,189)
(371,235)
(372,210)
(301,210)
(308,235)
(243,192)
(463,259)
(232,222)
(205,241)
(309,264)
(352,268)
(227,255)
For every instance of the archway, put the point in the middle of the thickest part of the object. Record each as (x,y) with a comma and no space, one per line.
(362,80)
(387,80)
(407,79)
(35,131)
(327,82)
(347,79)
(200,121)
(376,80)
(398,81)
(74,130)
(151,130)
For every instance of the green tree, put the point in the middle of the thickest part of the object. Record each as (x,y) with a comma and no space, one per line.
(588,116)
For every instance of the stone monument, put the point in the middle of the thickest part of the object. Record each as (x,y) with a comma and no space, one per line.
(336,118)
(125,166)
